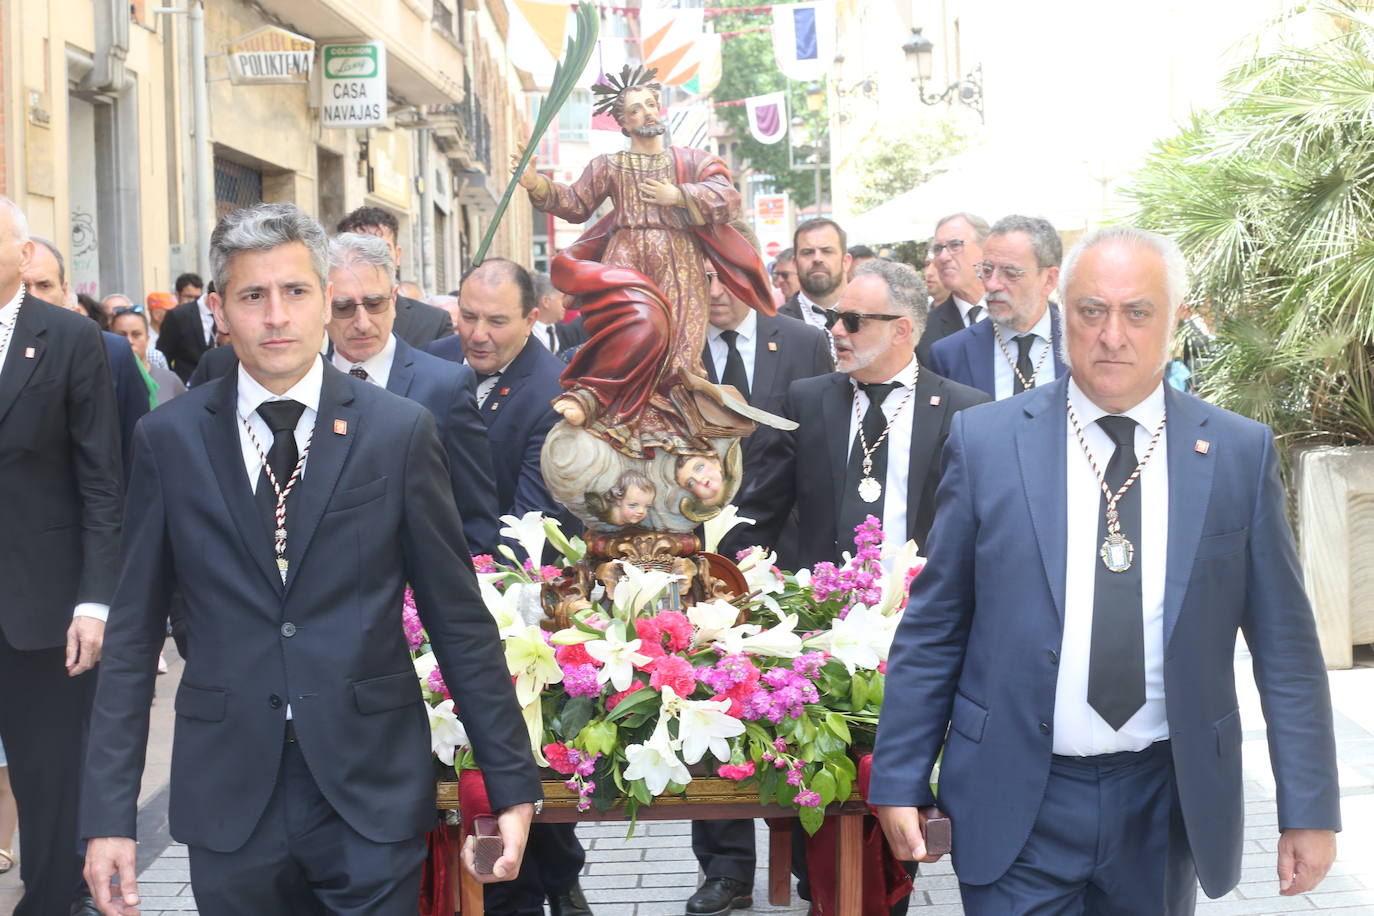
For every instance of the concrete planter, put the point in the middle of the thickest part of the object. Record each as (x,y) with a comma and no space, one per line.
(1335,489)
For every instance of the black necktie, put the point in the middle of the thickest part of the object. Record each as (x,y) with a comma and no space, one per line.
(734,365)
(1116,669)
(1023,365)
(281,417)
(553,339)
(973,313)
(358,372)
(853,509)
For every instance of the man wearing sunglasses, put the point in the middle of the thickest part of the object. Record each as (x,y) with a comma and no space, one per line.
(870,434)
(1019,348)
(956,247)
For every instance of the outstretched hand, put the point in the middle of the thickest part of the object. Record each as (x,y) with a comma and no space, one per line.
(529,178)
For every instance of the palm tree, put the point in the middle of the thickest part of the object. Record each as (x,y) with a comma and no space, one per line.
(1272,199)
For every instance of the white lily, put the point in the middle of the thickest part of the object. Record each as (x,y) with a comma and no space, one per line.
(528,532)
(572,636)
(639,587)
(757,567)
(532,662)
(803,577)
(618,657)
(501,607)
(656,761)
(711,618)
(446,732)
(780,640)
(533,715)
(860,640)
(424,665)
(716,528)
(703,725)
(895,563)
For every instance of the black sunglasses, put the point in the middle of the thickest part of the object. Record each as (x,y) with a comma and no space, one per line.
(346,308)
(851,319)
(127,309)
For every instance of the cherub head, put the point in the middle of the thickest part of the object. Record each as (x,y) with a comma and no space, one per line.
(626,502)
(634,100)
(702,476)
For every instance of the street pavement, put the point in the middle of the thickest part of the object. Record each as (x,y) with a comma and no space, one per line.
(653,872)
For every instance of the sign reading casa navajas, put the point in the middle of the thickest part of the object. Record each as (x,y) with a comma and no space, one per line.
(353,87)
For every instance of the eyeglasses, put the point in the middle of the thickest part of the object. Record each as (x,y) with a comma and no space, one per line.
(984,270)
(347,308)
(127,309)
(784,274)
(851,320)
(954,245)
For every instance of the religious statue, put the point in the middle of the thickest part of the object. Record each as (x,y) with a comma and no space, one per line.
(646,440)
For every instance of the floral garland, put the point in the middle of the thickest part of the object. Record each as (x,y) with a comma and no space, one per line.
(638,689)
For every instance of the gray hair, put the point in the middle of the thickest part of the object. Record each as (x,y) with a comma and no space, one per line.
(980,225)
(361,248)
(57,256)
(116,296)
(1175,270)
(1044,240)
(263,227)
(21,222)
(906,289)
(543,286)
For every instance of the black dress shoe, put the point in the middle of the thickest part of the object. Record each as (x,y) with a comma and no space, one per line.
(571,902)
(83,906)
(718,896)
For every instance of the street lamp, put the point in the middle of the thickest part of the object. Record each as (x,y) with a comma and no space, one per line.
(919,52)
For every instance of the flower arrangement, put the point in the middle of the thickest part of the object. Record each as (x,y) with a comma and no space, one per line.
(640,695)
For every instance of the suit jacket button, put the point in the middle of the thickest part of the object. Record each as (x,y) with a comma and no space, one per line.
(274,701)
(288,629)
(1054,657)
(1044,728)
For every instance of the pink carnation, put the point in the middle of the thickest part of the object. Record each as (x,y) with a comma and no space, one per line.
(676,631)
(675,672)
(484,563)
(559,761)
(550,573)
(614,699)
(736,772)
(575,655)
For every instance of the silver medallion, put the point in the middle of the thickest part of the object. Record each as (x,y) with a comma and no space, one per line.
(1117,553)
(870,490)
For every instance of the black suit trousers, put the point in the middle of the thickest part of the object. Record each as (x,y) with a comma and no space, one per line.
(303,859)
(44,738)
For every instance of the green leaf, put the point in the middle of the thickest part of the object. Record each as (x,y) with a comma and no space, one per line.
(824,784)
(640,792)
(838,727)
(768,784)
(811,819)
(858,691)
(575,716)
(876,688)
(643,697)
(844,784)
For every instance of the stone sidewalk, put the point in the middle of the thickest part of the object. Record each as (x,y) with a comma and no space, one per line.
(653,872)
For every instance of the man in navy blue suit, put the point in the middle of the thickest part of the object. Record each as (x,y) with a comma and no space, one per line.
(1017,349)
(362,314)
(518,380)
(1072,651)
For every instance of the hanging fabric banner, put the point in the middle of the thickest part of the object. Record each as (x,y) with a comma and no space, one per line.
(804,39)
(767,117)
(670,43)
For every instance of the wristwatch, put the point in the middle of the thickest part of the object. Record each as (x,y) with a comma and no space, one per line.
(538,806)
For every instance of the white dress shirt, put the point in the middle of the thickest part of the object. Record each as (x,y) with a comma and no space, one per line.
(377,367)
(9,317)
(815,319)
(251,394)
(745,343)
(1078,730)
(207,320)
(1005,382)
(546,335)
(963,308)
(898,452)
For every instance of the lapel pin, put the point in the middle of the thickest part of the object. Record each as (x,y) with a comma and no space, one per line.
(503,392)
(495,404)
(1202,446)
(341,427)
(934,400)
(773,346)
(30,352)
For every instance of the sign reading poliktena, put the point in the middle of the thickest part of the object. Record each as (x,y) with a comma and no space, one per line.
(353,88)
(270,55)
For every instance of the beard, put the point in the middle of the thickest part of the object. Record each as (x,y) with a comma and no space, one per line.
(648,130)
(817,286)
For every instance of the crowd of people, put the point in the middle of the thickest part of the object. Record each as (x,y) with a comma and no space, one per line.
(315,439)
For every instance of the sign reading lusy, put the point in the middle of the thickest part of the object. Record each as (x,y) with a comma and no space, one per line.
(270,55)
(353,87)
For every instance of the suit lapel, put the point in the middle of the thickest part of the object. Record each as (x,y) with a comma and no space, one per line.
(510,380)
(220,429)
(1040,451)
(926,423)
(836,406)
(950,319)
(766,359)
(30,332)
(979,350)
(708,362)
(402,369)
(1056,341)
(1190,488)
(336,426)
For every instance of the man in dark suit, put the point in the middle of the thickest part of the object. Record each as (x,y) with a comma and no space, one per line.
(187,332)
(760,355)
(549,327)
(46,279)
(1018,348)
(822,266)
(955,249)
(60,498)
(836,468)
(303,776)
(1072,652)
(416,322)
(783,270)
(518,382)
